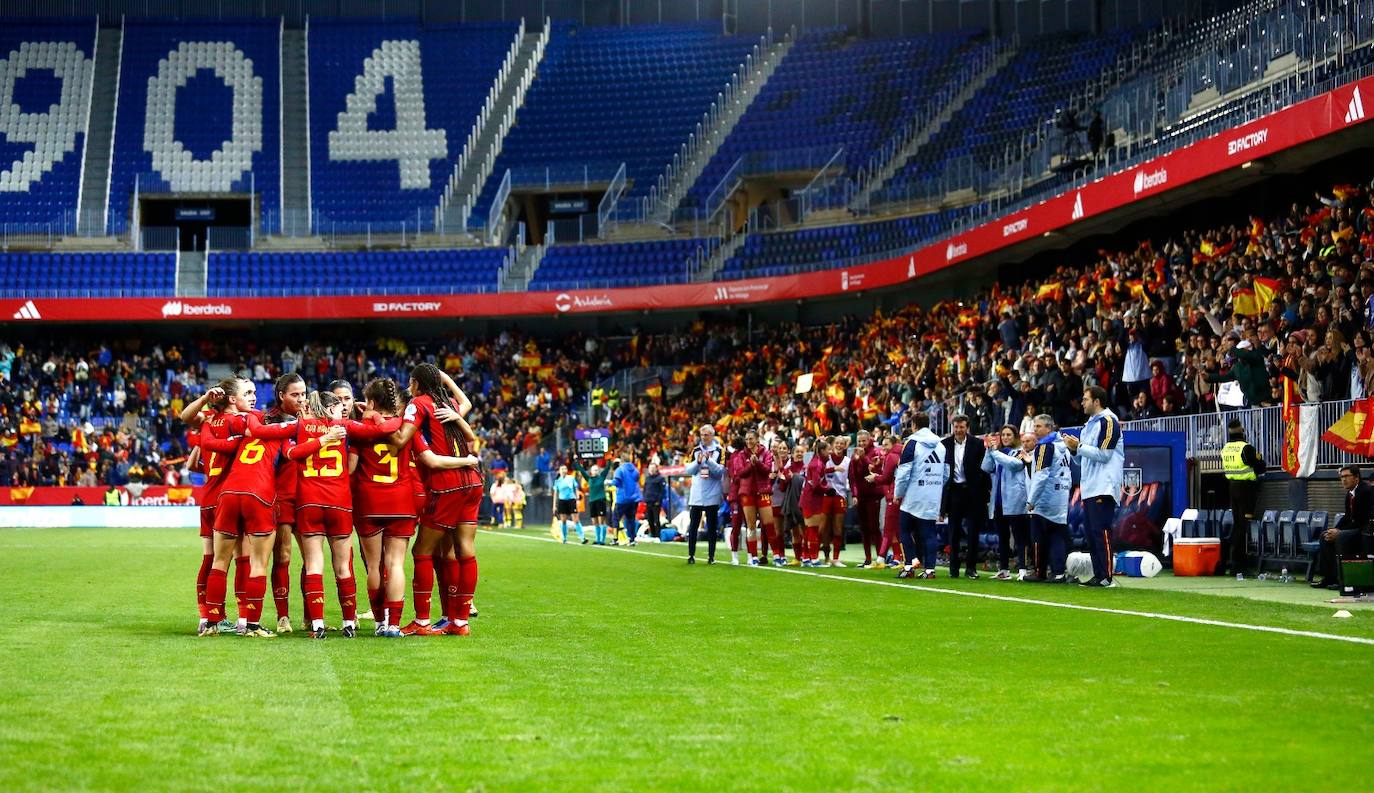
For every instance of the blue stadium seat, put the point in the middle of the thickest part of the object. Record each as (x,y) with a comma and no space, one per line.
(606,96)
(356,176)
(379,272)
(198,112)
(49,66)
(102,274)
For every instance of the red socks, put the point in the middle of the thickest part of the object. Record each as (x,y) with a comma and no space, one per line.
(374,600)
(393,610)
(452,578)
(812,543)
(835,547)
(770,533)
(216,581)
(348,598)
(753,543)
(281,588)
(206,562)
(254,592)
(467,587)
(314,597)
(423,586)
(240,584)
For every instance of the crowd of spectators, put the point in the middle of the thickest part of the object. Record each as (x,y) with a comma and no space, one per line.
(1169,326)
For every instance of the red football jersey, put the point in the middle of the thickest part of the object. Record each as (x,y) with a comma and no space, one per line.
(215,465)
(385,483)
(324,479)
(254,467)
(420,412)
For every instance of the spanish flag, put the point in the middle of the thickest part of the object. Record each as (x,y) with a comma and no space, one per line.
(20,494)
(654,390)
(1354,432)
(1255,300)
(1052,291)
(178,495)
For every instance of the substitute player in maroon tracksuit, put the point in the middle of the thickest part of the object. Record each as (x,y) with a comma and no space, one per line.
(864,467)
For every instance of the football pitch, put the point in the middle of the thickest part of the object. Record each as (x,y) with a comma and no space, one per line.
(617,669)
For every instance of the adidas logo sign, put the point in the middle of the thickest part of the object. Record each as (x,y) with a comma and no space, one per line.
(1077,206)
(28,311)
(1356,111)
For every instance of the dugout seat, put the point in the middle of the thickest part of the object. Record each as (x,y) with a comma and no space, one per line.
(1311,541)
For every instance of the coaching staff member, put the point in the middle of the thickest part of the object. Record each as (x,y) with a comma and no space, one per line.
(965,500)
(1351,537)
(1102,458)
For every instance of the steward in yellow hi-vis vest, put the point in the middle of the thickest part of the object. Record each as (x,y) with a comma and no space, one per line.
(1243,467)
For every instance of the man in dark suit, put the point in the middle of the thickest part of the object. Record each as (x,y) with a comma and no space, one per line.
(965,500)
(1350,538)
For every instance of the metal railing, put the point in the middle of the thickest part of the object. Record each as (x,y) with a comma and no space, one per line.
(497,213)
(605,210)
(707,129)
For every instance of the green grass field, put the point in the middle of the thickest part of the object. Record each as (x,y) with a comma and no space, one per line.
(613,669)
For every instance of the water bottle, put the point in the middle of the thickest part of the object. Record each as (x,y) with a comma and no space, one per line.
(1284,577)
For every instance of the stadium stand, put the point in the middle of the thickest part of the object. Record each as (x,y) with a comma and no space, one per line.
(87,274)
(1042,74)
(341,273)
(198,112)
(833,91)
(364,167)
(45,73)
(606,96)
(623,264)
(799,250)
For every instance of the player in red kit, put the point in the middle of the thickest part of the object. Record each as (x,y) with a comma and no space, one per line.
(790,465)
(454,496)
(324,502)
(384,500)
(815,501)
(864,467)
(756,500)
(195,415)
(288,401)
(245,503)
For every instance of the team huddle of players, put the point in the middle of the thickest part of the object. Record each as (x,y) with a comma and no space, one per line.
(318,467)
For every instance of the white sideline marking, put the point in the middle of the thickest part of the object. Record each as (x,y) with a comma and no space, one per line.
(1005,598)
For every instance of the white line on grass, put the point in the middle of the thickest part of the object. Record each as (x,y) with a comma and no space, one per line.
(1005,598)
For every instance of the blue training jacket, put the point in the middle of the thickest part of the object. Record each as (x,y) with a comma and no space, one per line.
(1102,457)
(919,484)
(1051,479)
(1010,478)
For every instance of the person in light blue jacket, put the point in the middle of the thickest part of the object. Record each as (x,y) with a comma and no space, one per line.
(705,497)
(1048,501)
(1102,463)
(919,487)
(1007,508)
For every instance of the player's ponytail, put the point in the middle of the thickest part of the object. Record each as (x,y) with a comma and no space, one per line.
(385,394)
(430,383)
(319,403)
(231,386)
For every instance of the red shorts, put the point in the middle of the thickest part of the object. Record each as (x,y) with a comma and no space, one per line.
(388,527)
(207,522)
(285,512)
(448,509)
(834,505)
(421,500)
(239,514)
(760,500)
(331,522)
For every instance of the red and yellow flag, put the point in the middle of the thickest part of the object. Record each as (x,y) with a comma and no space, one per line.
(1354,432)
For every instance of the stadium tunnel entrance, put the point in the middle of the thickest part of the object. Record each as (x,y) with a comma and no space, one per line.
(196,222)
